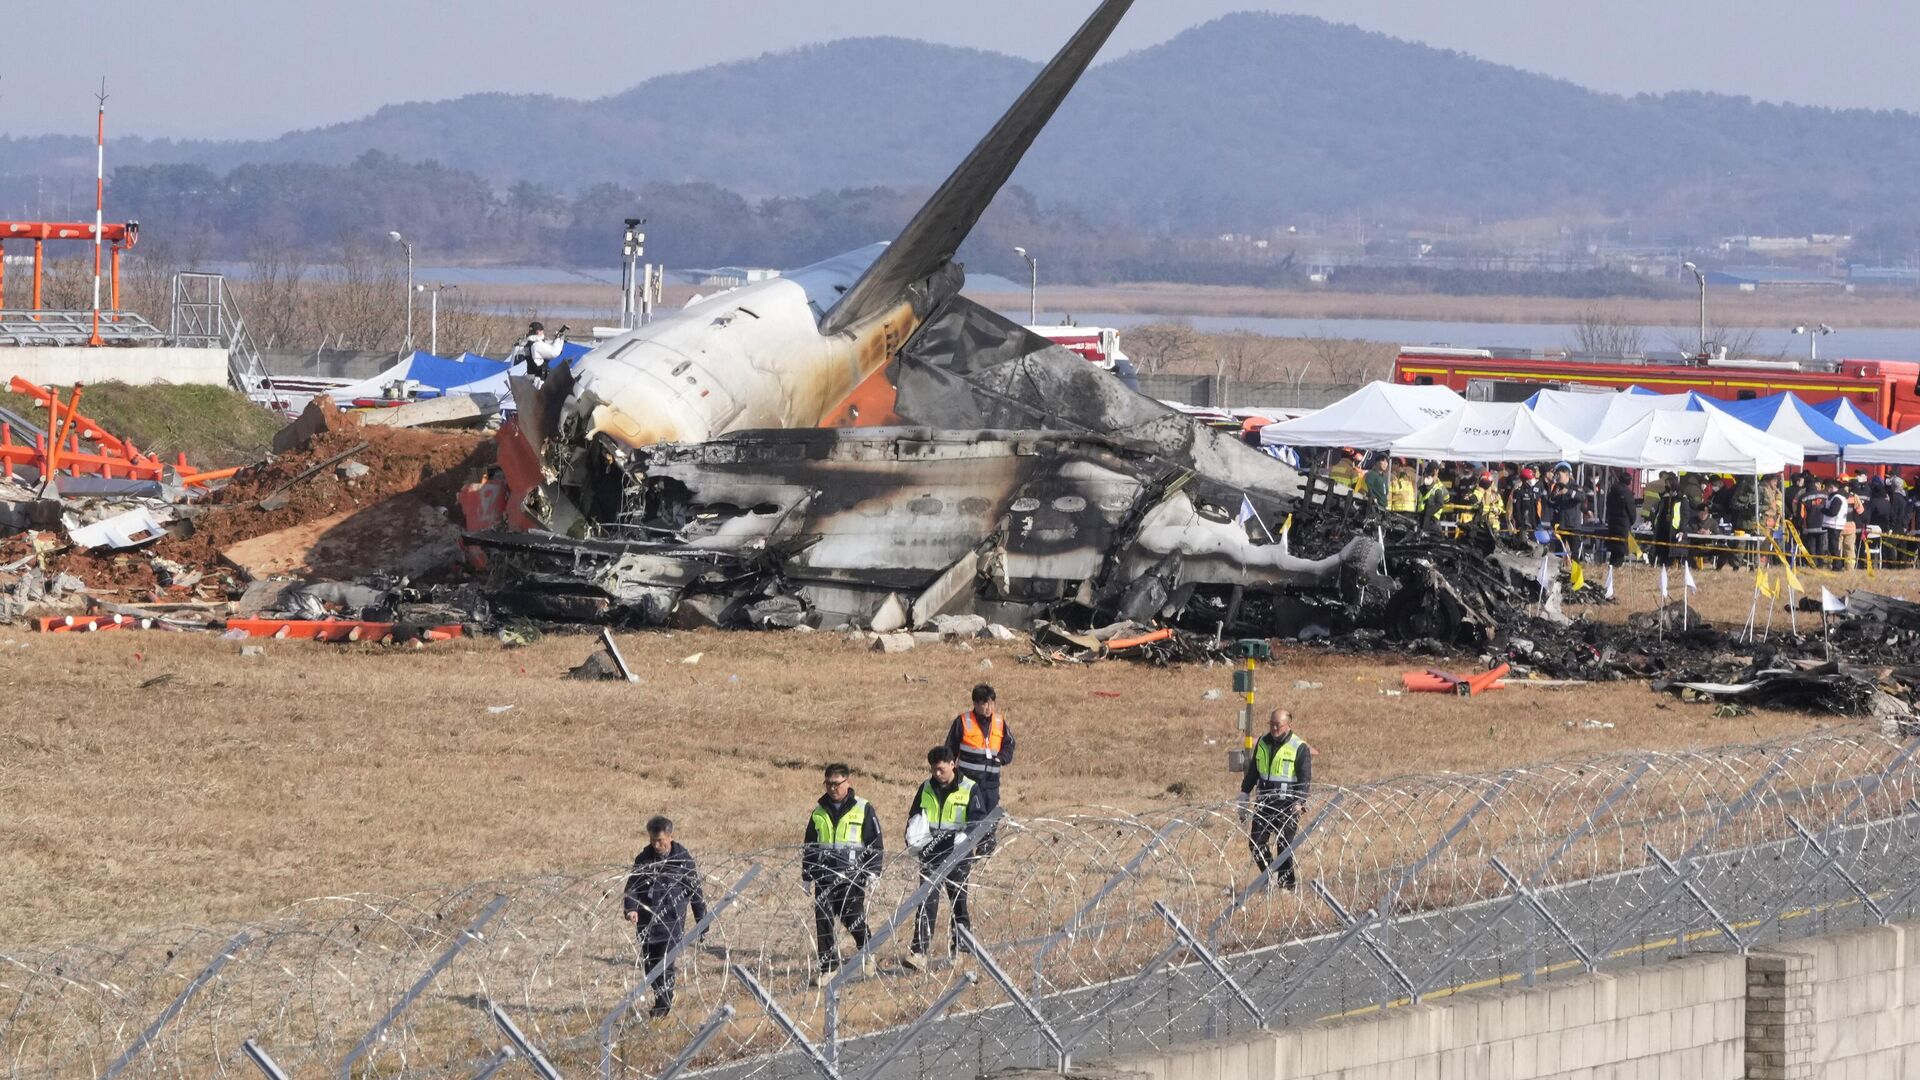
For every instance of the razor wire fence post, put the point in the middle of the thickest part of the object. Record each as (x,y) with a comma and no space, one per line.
(1832,830)
(1211,961)
(1683,875)
(466,936)
(267,1066)
(1260,880)
(910,908)
(1373,945)
(535,1059)
(1832,862)
(716,1023)
(786,1023)
(1538,908)
(1899,902)
(913,1030)
(494,1064)
(238,942)
(673,955)
(1021,1001)
(1298,982)
(1739,806)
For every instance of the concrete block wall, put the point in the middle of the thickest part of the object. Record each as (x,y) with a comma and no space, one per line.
(1679,1021)
(1863,1002)
(138,365)
(1840,1007)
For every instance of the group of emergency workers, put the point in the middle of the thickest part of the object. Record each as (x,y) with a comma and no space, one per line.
(843,851)
(1592,513)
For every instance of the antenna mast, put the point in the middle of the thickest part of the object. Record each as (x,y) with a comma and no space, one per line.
(99,204)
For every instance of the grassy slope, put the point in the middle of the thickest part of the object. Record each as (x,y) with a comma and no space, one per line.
(212,425)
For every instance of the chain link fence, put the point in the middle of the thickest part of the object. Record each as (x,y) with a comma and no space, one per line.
(1098,932)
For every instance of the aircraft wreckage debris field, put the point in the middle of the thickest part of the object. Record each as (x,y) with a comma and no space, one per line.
(232,785)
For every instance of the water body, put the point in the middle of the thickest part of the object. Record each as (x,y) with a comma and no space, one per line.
(1879,343)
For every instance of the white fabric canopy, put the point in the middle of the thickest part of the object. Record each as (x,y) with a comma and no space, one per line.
(1490,431)
(1901,449)
(1704,441)
(1592,416)
(1578,414)
(1370,418)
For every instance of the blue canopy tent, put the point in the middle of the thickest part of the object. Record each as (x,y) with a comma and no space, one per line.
(1785,416)
(1848,415)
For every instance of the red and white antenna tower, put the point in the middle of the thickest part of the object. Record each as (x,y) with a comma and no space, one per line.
(99,205)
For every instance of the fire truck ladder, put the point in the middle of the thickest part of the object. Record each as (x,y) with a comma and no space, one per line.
(205,316)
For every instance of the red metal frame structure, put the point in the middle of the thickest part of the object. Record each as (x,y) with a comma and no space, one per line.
(79,447)
(121,236)
(1886,390)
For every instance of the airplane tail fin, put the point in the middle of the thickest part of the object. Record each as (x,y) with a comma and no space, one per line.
(937,230)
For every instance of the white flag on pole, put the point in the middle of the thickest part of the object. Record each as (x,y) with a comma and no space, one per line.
(1545,574)
(1609,590)
(1687,569)
(1663,581)
(1830,602)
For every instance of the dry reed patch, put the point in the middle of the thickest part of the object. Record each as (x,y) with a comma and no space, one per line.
(240,785)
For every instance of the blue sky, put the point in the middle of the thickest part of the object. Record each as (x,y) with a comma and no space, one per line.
(225,68)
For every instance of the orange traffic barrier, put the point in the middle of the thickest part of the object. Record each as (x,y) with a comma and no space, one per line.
(1143,639)
(70,624)
(1443,682)
(333,630)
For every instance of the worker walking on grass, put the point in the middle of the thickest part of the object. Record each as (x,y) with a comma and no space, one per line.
(937,819)
(842,854)
(982,745)
(664,883)
(1273,795)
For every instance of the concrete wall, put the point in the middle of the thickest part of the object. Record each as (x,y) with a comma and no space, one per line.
(1861,1001)
(67,364)
(1834,1008)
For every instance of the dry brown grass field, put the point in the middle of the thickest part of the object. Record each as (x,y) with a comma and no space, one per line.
(237,785)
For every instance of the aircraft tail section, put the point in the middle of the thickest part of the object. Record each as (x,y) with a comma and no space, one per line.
(940,226)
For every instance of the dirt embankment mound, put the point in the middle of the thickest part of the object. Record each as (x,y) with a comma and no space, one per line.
(432,466)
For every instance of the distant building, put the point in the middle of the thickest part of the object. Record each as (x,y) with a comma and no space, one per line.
(1756,278)
(1885,276)
(731,276)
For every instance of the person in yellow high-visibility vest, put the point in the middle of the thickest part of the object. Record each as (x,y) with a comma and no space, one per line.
(943,808)
(1273,795)
(842,852)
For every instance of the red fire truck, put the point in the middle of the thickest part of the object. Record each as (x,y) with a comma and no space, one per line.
(1099,345)
(1886,390)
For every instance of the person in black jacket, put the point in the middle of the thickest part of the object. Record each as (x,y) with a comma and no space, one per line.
(1621,514)
(664,883)
(1273,795)
(843,850)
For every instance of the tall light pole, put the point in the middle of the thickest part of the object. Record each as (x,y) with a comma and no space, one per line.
(1033,285)
(402,241)
(433,314)
(1702,279)
(1813,338)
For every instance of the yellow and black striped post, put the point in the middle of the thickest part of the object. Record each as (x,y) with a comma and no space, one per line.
(1251,651)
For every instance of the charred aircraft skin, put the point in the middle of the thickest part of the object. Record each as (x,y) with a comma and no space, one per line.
(842,519)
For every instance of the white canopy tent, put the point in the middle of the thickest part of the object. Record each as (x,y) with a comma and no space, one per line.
(1370,418)
(1701,441)
(1901,449)
(1489,431)
(1588,416)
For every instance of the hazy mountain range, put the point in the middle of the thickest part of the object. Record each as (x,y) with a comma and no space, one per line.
(1251,121)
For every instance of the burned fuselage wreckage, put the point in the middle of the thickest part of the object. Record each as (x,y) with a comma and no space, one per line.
(857,443)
